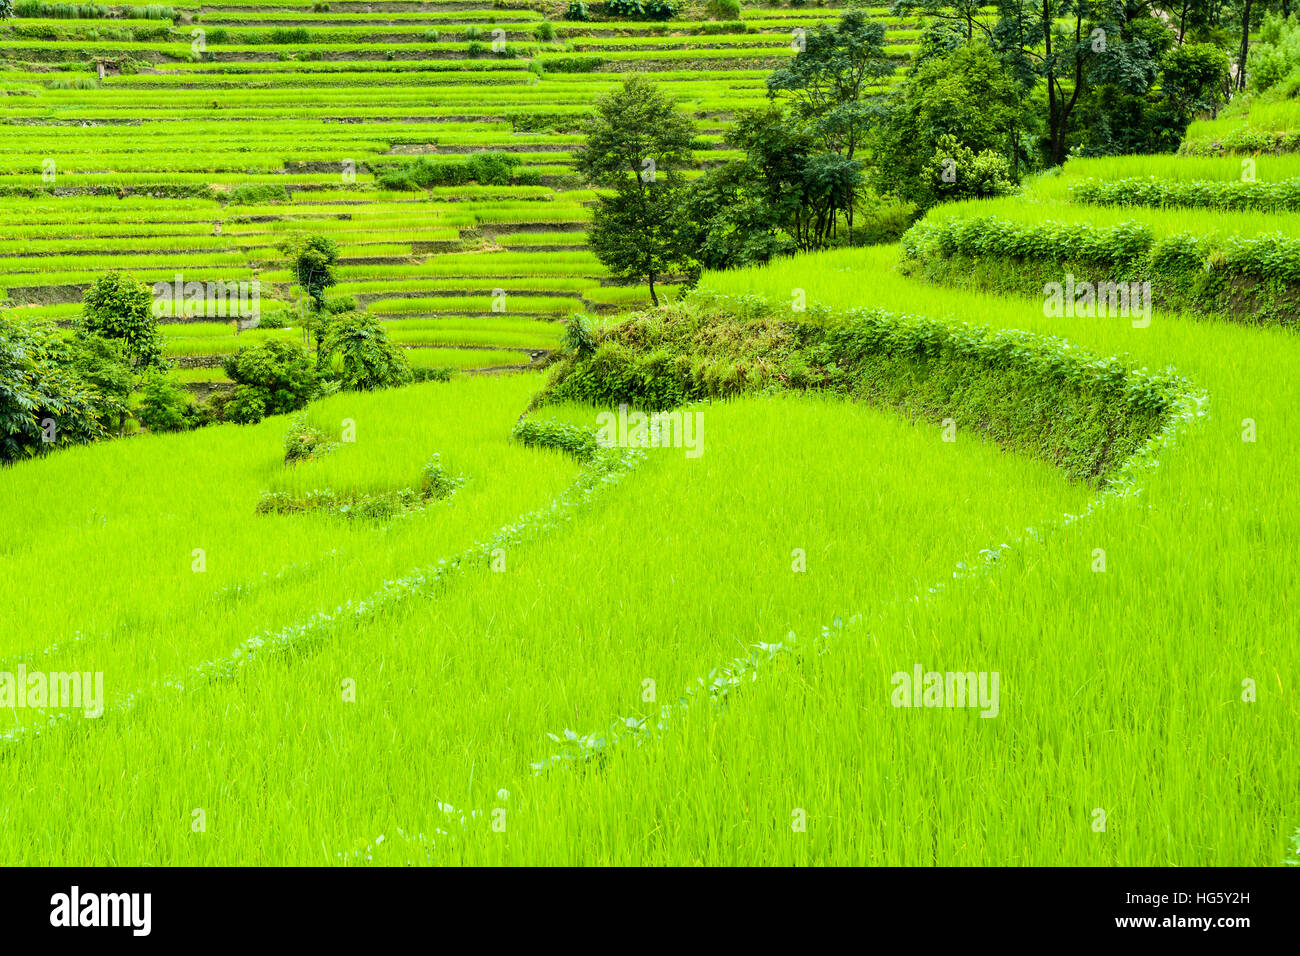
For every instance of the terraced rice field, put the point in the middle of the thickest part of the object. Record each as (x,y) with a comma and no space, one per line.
(889,461)
(155,165)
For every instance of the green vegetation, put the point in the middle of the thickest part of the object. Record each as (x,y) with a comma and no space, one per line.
(548,434)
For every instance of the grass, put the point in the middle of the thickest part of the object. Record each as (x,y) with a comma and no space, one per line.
(436,751)
(641,658)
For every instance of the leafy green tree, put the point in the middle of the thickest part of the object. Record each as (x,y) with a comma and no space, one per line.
(962,15)
(118,306)
(6,9)
(312,261)
(827,81)
(102,363)
(786,194)
(1052,42)
(963,97)
(730,221)
(270,378)
(356,351)
(1192,79)
(44,402)
(637,143)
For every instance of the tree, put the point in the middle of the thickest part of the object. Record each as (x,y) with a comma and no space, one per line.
(6,9)
(1245,44)
(827,83)
(963,97)
(117,306)
(103,365)
(44,402)
(828,78)
(357,352)
(271,378)
(730,221)
(312,261)
(1191,78)
(637,142)
(786,194)
(963,14)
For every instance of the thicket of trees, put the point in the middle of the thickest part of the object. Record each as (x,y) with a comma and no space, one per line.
(988,97)
(58,389)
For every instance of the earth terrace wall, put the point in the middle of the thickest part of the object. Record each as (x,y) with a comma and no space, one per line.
(1255,280)
(1096,418)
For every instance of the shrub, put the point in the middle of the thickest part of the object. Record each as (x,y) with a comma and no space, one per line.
(723,9)
(577,10)
(271,378)
(279,319)
(486,169)
(303,442)
(955,171)
(103,364)
(492,168)
(254,194)
(247,406)
(433,373)
(357,354)
(642,9)
(1280,196)
(575,440)
(44,401)
(118,306)
(1276,55)
(545,31)
(290,35)
(165,406)
(1255,278)
(1244,140)
(578,337)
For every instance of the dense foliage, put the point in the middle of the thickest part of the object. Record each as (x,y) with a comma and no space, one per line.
(48,395)
(270,379)
(117,306)
(637,144)
(356,353)
(1279,196)
(1085,413)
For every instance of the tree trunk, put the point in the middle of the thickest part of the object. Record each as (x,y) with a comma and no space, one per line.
(654,299)
(1182,23)
(1245,46)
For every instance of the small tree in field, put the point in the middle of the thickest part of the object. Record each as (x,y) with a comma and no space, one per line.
(120,307)
(312,260)
(356,349)
(637,143)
